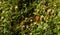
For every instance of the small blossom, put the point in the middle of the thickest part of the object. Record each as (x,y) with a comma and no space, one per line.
(2,17)
(4,20)
(4,2)
(54,5)
(3,11)
(49,10)
(27,26)
(26,18)
(34,23)
(31,20)
(0,2)
(11,8)
(30,33)
(42,16)
(16,7)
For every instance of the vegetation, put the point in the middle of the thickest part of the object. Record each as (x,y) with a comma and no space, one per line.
(29,17)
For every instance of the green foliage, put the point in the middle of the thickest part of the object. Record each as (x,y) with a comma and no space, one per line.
(18,17)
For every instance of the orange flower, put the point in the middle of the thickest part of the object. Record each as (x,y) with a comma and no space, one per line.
(37,18)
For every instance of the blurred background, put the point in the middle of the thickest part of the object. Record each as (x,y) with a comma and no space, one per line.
(29,17)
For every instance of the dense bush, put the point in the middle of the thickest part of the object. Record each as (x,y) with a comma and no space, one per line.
(29,17)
